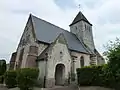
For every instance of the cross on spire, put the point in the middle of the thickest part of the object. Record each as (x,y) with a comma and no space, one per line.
(79,7)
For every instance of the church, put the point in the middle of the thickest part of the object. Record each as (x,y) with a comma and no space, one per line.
(55,51)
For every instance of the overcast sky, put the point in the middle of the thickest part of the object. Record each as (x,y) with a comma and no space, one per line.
(103,14)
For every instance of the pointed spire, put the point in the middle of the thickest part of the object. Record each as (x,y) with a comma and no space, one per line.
(80,17)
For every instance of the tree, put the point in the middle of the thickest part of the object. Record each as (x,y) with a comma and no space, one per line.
(113,56)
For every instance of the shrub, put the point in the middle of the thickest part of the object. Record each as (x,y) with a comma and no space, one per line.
(108,77)
(84,75)
(91,76)
(2,67)
(26,78)
(10,78)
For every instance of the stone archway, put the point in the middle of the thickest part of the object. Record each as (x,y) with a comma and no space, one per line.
(59,74)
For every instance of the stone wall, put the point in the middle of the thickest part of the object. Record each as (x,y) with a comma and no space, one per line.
(83,31)
(12,61)
(42,67)
(77,57)
(27,40)
(58,54)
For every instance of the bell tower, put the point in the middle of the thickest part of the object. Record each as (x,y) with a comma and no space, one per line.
(82,28)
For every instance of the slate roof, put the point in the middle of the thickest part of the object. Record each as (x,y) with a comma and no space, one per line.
(47,32)
(80,17)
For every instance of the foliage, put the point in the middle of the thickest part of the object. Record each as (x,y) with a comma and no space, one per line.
(26,78)
(106,75)
(2,67)
(10,78)
(90,75)
(112,47)
(113,55)
(96,76)
(23,78)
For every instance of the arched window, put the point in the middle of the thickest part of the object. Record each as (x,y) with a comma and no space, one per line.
(85,27)
(82,61)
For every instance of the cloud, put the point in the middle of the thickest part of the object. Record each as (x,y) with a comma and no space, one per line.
(103,14)
(5,47)
(65,3)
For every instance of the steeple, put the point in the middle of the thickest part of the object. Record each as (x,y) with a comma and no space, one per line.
(80,17)
(82,28)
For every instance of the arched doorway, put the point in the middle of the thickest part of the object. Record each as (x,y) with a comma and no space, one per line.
(59,74)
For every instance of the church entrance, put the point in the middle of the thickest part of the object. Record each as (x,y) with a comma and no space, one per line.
(59,74)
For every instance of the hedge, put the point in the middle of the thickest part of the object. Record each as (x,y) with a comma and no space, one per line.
(26,78)
(95,76)
(2,67)
(10,78)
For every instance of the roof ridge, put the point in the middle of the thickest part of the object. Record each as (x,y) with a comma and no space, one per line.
(48,22)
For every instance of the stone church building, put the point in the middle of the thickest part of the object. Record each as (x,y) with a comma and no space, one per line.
(55,51)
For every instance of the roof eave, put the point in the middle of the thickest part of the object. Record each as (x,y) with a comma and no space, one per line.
(38,41)
(79,51)
(80,20)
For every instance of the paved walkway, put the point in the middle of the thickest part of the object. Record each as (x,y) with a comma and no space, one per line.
(71,87)
(2,87)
